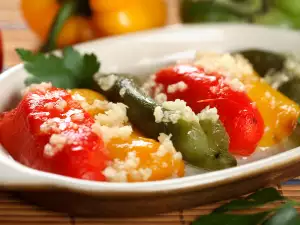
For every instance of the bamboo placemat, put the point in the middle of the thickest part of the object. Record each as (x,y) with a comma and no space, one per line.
(14,211)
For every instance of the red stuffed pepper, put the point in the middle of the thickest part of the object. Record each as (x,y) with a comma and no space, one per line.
(199,89)
(50,131)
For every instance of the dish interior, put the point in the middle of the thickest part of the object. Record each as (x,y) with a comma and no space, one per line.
(142,71)
(152,52)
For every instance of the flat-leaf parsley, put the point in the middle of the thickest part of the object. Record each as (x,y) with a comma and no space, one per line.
(71,70)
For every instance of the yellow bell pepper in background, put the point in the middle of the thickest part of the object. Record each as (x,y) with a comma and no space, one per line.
(279,113)
(67,22)
(128,16)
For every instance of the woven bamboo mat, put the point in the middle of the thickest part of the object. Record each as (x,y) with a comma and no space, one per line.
(13,211)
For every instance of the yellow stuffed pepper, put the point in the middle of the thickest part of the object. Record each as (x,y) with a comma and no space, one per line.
(152,163)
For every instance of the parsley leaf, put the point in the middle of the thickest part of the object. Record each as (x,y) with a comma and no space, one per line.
(285,214)
(71,70)
(231,219)
(258,198)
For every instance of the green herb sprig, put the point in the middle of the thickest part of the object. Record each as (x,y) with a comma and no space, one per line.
(284,214)
(71,70)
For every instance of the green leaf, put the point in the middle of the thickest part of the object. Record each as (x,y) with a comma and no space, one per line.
(72,60)
(258,198)
(285,215)
(231,219)
(71,70)
(89,68)
(25,55)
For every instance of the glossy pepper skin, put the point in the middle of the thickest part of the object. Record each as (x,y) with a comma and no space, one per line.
(162,167)
(205,147)
(117,17)
(101,18)
(280,114)
(240,118)
(79,153)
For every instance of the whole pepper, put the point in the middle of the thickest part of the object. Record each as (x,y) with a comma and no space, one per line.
(60,23)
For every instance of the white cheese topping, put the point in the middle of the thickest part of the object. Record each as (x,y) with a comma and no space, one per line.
(209,114)
(122,91)
(160,98)
(106,82)
(78,116)
(226,64)
(158,114)
(43,87)
(61,105)
(180,107)
(174,110)
(97,104)
(166,147)
(56,144)
(119,170)
(235,84)
(50,125)
(107,133)
(116,115)
(149,85)
(78,97)
(180,86)
(49,105)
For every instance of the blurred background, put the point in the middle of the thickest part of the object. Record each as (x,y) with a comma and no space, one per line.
(45,25)
(26,23)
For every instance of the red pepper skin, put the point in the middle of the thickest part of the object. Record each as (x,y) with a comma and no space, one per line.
(83,156)
(240,118)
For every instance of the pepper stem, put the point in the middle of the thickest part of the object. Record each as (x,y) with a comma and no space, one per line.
(67,9)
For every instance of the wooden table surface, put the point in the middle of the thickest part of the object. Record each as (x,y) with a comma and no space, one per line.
(13,210)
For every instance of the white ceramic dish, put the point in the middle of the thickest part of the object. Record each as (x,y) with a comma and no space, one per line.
(140,54)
